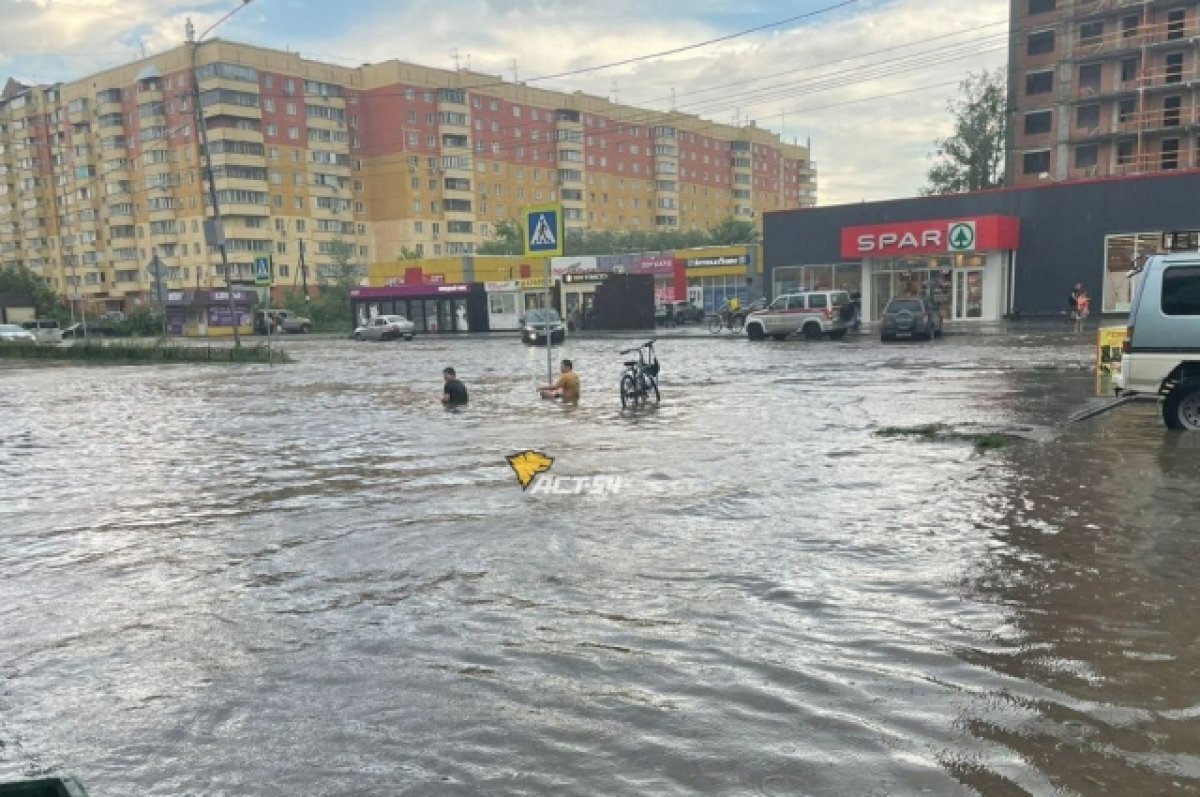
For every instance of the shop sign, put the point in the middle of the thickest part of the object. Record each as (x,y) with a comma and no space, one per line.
(434,279)
(453,288)
(936,236)
(709,262)
(655,265)
(592,276)
(500,287)
(533,282)
(562,265)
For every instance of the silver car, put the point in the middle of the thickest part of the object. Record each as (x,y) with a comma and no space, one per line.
(386,327)
(13,333)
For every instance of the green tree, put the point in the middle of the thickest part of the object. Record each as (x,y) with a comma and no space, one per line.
(22,280)
(973,157)
(732,231)
(509,240)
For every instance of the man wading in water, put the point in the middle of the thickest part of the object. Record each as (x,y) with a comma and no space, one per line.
(567,386)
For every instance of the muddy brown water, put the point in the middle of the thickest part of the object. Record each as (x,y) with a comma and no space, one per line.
(313,580)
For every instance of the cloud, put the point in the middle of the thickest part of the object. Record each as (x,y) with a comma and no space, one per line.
(823,80)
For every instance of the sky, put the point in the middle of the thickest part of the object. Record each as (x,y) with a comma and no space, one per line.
(866,82)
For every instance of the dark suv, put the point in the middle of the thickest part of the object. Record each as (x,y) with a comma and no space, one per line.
(675,313)
(912,317)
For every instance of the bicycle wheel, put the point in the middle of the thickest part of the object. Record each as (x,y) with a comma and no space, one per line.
(652,389)
(629,391)
(715,324)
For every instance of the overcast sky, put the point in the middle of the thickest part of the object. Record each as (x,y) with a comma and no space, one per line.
(818,76)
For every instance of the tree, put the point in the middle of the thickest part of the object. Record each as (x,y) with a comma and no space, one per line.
(732,231)
(973,157)
(22,280)
(510,240)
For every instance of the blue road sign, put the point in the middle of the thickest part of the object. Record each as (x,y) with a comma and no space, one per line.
(544,230)
(262,271)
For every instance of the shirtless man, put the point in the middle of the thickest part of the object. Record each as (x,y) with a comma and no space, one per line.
(567,386)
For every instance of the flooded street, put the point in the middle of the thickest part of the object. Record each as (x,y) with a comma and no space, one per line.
(314,580)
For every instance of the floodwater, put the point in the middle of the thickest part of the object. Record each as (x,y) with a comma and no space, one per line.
(313,580)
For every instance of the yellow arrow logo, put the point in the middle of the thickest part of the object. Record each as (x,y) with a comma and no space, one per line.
(528,464)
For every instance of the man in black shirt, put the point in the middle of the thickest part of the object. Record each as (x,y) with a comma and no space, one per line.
(454,392)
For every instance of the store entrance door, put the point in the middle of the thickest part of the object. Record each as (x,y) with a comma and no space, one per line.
(968,294)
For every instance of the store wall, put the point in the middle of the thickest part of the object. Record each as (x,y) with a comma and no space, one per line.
(1063,228)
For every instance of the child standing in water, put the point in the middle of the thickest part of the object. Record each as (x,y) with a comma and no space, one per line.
(1083,308)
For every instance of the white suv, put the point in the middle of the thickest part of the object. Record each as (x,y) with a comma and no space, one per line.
(813,314)
(1161,353)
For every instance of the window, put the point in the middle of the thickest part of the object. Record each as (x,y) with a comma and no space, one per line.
(1175,24)
(1089,77)
(1126,109)
(1086,156)
(1038,122)
(1091,33)
(1130,25)
(1125,152)
(1175,68)
(1039,82)
(1040,43)
(1129,69)
(1087,117)
(1036,162)
(1170,154)
(1181,291)
(1171,106)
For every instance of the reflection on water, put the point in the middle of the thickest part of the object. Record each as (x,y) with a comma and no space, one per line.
(314,577)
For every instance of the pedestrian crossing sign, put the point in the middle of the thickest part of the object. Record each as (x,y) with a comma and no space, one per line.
(544,230)
(262,272)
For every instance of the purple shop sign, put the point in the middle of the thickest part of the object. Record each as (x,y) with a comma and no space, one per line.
(220,317)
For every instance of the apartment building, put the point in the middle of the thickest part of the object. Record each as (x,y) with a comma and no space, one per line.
(318,165)
(1103,88)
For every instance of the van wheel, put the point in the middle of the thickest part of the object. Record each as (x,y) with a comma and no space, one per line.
(812,331)
(1181,408)
(755,332)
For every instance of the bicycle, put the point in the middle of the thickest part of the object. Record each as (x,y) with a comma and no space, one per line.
(640,380)
(725,319)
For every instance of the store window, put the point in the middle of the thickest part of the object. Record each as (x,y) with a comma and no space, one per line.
(841,277)
(1121,253)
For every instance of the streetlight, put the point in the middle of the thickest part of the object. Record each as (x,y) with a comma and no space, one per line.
(212,185)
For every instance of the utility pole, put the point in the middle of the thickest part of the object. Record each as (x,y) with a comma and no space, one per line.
(304,272)
(218,230)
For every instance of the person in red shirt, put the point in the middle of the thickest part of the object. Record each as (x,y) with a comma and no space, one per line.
(1083,308)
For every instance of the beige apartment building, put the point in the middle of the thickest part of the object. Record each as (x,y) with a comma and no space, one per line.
(1102,88)
(316,163)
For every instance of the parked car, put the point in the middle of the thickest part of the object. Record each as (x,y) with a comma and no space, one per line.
(674,313)
(910,317)
(1161,353)
(46,330)
(386,327)
(541,322)
(281,320)
(15,333)
(813,314)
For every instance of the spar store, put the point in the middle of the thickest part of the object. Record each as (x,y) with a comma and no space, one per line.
(988,254)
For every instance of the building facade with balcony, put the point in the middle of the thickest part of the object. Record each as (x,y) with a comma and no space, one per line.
(326,169)
(1101,88)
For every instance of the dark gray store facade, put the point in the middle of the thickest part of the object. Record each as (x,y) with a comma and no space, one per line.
(984,255)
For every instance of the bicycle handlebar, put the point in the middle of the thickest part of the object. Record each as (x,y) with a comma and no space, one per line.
(647,345)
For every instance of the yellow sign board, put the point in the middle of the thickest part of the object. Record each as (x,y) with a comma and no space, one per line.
(1109,342)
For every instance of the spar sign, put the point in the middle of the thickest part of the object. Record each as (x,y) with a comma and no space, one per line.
(933,237)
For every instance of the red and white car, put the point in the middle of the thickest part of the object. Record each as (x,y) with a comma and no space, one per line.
(813,314)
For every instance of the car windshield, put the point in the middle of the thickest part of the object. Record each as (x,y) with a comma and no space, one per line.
(541,316)
(900,305)
(10,328)
(395,319)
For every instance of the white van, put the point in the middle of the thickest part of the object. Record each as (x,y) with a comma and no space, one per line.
(46,330)
(1162,342)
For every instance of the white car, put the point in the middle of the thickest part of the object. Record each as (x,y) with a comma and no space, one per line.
(14,333)
(813,314)
(386,327)
(1162,340)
